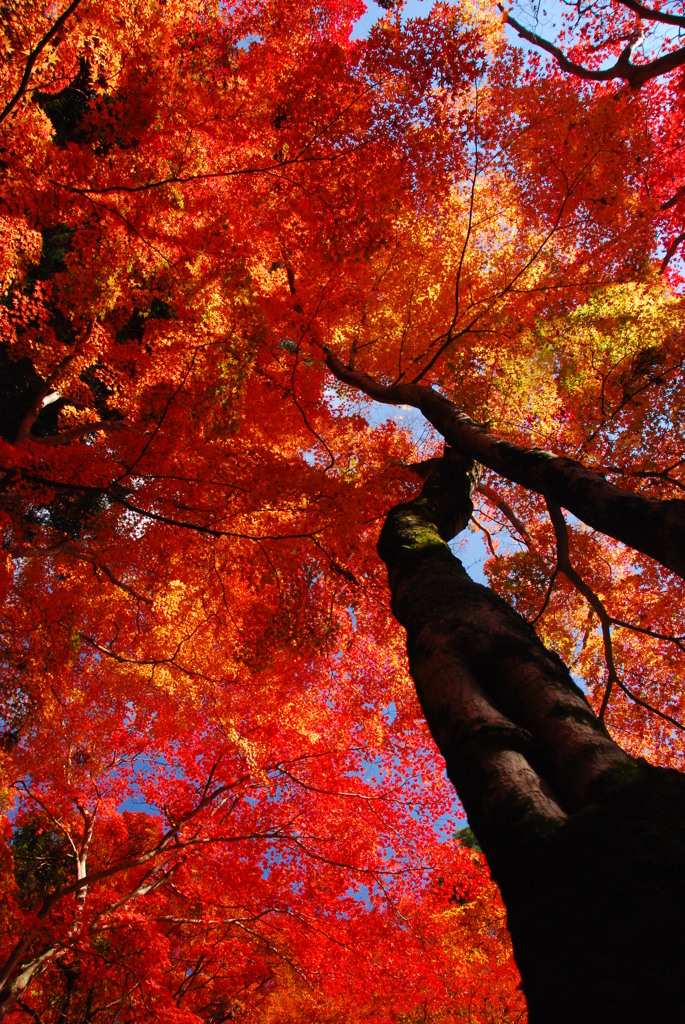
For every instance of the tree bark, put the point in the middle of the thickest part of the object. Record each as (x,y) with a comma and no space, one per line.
(586,843)
(657,528)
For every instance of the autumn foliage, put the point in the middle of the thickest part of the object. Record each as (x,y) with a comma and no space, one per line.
(220,799)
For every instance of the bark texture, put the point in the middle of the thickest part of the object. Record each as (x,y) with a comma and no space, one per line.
(586,843)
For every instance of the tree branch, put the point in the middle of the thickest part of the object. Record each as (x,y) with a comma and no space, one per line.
(33,57)
(634,74)
(606,621)
(650,14)
(671,251)
(654,527)
(564,565)
(494,498)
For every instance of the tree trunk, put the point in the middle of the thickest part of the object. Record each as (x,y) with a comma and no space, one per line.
(586,843)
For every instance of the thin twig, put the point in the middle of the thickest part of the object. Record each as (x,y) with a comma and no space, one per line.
(564,565)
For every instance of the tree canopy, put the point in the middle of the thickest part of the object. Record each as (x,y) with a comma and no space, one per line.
(226,230)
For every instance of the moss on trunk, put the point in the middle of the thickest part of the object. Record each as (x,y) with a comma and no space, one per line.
(586,843)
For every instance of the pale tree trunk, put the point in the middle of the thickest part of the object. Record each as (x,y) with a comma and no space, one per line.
(586,843)
(13,993)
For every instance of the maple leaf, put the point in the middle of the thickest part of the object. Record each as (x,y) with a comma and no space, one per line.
(224,230)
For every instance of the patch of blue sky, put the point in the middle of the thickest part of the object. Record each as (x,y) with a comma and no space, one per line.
(361,894)
(381,771)
(412,9)
(144,767)
(390,712)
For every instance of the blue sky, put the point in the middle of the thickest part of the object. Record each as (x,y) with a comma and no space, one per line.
(374,12)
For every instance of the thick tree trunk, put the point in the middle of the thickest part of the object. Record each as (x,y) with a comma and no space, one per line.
(586,843)
(657,528)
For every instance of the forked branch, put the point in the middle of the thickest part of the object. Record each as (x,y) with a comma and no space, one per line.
(654,527)
(634,74)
